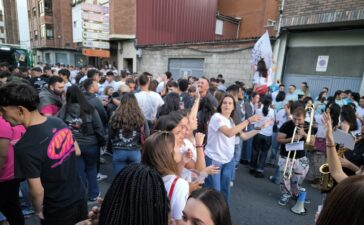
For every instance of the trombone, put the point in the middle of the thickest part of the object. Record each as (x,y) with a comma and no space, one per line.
(287,173)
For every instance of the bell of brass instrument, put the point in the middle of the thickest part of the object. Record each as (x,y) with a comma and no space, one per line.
(327,182)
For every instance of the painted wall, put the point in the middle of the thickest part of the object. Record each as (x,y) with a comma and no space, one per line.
(234,65)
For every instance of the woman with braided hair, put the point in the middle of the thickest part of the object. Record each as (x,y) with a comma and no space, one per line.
(136,196)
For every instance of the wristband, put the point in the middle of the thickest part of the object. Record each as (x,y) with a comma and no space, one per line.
(330,145)
(199,146)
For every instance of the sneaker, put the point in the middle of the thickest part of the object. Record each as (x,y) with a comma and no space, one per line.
(107,152)
(93,200)
(101,177)
(259,175)
(284,199)
(252,171)
(27,212)
(231,184)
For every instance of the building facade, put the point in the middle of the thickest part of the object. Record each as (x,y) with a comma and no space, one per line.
(50,24)
(11,21)
(2,24)
(255,16)
(321,42)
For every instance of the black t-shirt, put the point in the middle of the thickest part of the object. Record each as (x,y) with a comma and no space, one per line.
(288,128)
(357,155)
(46,151)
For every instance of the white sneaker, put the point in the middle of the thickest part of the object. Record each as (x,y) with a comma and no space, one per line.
(101,177)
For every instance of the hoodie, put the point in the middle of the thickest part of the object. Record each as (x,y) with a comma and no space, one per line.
(88,130)
(50,103)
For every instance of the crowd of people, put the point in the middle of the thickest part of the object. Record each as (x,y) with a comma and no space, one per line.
(175,144)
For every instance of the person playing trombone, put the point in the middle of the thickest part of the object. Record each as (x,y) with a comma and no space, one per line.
(294,170)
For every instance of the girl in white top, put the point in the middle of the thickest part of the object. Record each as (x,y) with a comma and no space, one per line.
(262,141)
(219,150)
(158,153)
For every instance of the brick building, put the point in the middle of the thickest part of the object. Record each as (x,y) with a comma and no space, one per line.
(50,24)
(123,33)
(2,24)
(255,16)
(321,42)
(10,20)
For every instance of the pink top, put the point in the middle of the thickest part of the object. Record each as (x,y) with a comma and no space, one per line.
(49,110)
(13,134)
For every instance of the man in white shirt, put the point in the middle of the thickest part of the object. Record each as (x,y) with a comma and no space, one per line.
(162,86)
(148,101)
(291,95)
(110,81)
(360,109)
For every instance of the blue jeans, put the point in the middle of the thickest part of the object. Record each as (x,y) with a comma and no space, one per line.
(237,155)
(123,157)
(274,149)
(261,145)
(87,164)
(220,182)
(246,153)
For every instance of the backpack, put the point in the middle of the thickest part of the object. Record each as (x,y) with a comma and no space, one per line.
(79,125)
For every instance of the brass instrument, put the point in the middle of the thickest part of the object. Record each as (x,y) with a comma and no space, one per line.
(287,173)
(327,182)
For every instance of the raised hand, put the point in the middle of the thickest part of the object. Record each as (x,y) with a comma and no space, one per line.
(199,138)
(326,119)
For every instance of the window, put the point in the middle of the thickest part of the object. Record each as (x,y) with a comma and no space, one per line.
(2,40)
(48,7)
(41,7)
(74,24)
(49,31)
(43,31)
(219,27)
(35,35)
(30,35)
(1,29)
(34,11)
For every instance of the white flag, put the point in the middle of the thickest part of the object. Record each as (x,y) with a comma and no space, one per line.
(263,49)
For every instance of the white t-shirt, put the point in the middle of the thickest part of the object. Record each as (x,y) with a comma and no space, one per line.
(260,80)
(219,147)
(281,117)
(160,87)
(320,126)
(179,195)
(113,84)
(149,103)
(360,111)
(187,144)
(268,131)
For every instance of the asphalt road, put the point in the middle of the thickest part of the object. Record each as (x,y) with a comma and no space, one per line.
(254,201)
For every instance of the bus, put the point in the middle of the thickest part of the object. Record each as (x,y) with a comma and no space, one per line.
(15,55)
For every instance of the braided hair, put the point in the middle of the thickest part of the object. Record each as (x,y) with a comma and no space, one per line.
(136,196)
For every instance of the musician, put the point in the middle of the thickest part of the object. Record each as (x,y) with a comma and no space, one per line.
(300,165)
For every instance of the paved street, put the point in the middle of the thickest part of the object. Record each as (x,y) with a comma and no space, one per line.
(253,202)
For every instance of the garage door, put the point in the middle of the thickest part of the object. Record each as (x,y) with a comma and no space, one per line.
(316,83)
(186,67)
